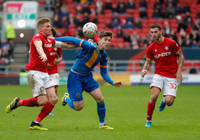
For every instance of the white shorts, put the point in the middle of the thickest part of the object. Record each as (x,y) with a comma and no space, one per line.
(170,84)
(55,78)
(38,82)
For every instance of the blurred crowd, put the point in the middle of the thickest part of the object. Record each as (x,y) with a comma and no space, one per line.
(130,19)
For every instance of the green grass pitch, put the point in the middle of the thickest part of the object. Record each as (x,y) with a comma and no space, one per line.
(126,112)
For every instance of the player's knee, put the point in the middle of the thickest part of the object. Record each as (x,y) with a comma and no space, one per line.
(153,98)
(100,99)
(169,102)
(79,107)
(53,100)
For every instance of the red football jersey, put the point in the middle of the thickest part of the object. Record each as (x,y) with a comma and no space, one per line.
(165,57)
(35,61)
(54,53)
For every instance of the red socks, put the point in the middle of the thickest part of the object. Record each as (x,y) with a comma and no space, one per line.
(150,109)
(46,109)
(28,102)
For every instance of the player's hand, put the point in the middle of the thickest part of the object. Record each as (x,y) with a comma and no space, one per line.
(90,40)
(179,78)
(48,65)
(143,73)
(56,61)
(118,84)
(43,57)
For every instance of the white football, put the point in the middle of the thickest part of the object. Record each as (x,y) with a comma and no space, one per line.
(90,29)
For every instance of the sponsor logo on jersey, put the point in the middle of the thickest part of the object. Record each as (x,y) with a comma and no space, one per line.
(162,55)
(47,45)
(53,53)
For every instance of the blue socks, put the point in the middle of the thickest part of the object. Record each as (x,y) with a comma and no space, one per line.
(69,102)
(101,110)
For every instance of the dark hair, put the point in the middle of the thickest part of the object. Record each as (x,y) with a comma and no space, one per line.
(41,21)
(156,26)
(105,34)
(53,30)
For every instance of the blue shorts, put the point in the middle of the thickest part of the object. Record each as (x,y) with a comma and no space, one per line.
(76,84)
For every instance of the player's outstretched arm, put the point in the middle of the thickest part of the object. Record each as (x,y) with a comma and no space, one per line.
(118,84)
(179,76)
(38,45)
(146,66)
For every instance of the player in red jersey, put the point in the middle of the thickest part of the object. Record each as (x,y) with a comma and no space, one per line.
(54,57)
(164,52)
(41,86)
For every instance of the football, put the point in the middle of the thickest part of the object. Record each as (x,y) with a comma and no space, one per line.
(90,29)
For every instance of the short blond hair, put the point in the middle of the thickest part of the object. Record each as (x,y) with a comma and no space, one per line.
(41,21)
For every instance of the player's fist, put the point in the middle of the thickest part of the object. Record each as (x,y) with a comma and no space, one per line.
(43,57)
(143,73)
(118,84)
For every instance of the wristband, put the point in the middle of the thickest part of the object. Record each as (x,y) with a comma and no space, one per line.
(58,44)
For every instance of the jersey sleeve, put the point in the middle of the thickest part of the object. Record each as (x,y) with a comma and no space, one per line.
(79,42)
(175,47)
(59,52)
(149,54)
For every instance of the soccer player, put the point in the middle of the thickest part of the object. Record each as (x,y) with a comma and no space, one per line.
(41,86)
(164,52)
(54,57)
(80,77)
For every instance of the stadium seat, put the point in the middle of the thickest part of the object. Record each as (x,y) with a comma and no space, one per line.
(196,64)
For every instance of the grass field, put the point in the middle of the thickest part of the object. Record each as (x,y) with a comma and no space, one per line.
(126,112)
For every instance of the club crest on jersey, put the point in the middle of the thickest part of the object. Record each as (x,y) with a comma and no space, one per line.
(166,48)
(49,40)
(55,49)
(176,45)
(155,50)
(37,34)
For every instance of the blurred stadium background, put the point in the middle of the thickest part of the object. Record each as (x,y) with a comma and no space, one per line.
(128,19)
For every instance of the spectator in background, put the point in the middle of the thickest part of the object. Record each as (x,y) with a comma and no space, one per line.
(86,8)
(86,18)
(99,7)
(178,9)
(130,5)
(119,32)
(164,14)
(196,26)
(116,16)
(187,43)
(78,10)
(157,5)
(129,25)
(129,18)
(143,13)
(173,36)
(76,2)
(195,45)
(135,36)
(56,19)
(194,36)
(108,24)
(10,50)
(166,29)
(48,5)
(126,37)
(156,14)
(95,20)
(64,10)
(193,71)
(108,5)
(143,5)
(180,41)
(4,58)
(57,6)
(121,7)
(189,25)
(137,23)
(170,10)
(114,8)
(186,7)
(115,24)
(64,22)
(10,32)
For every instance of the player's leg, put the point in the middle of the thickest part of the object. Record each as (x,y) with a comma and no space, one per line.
(93,88)
(74,96)
(156,87)
(37,88)
(47,108)
(170,89)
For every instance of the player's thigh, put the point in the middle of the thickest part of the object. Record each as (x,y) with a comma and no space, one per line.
(36,83)
(55,78)
(170,87)
(51,95)
(97,95)
(74,87)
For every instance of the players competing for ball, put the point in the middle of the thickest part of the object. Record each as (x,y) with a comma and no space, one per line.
(80,77)
(164,52)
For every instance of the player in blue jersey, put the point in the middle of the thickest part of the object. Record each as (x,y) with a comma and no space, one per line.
(80,77)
